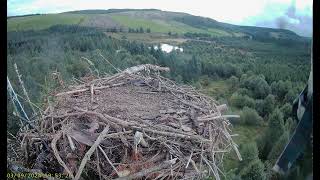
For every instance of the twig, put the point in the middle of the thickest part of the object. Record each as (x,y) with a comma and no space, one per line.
(105,155)
(71,143)
(150,170)
(98,166)
(56,153)
(23,88)
(217,117)
(216,175)
(92,92)
(88,89)
(90,151)
(189,160)
(118,70)
(194,165)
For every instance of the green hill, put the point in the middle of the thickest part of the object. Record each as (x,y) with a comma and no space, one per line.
(156,20)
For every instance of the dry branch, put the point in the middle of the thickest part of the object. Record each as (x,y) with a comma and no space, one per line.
(56,153)
(90,151)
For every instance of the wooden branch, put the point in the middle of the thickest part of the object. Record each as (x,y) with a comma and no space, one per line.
(145,67)
(145,172)
(88,89)
(73,147)
(111,164)
(90,151)
(222,108)
(218,117)
(56,153)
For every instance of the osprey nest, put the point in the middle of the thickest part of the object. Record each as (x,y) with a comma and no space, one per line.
(135,124)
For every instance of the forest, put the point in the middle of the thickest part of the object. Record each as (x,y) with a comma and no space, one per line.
(258,79)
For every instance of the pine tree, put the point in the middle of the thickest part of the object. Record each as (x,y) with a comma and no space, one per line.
(276,125)
(249,152)
(250,117)
(141,30)
(278,147)
(274,131)
(253,171)
(268,104)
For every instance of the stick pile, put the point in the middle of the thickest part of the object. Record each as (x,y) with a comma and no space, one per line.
(131,125)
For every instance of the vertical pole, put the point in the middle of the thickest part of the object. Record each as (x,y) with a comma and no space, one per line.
(16,102)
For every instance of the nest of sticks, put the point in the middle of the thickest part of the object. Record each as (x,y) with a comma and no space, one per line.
(132,125)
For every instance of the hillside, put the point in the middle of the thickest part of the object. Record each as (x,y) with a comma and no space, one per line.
(156,20)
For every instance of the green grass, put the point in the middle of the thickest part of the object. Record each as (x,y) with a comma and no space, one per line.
(42,21)
(162,26)
(137,23)
(218,32)
(156,26)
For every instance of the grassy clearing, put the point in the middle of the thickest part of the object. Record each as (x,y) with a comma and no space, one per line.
(161,26)
(42,21)
(218,32)
(156,26)
(137,23)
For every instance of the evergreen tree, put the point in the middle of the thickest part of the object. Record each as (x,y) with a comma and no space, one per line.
(278,147)
(141,30)
(286,109)
(194,68)
(250,117)
(290,96)
(233,81)
(273,133)
(232,175)
(258,85)
(253,171)
(290,125)
(240,101)
(249,152)
(268,105)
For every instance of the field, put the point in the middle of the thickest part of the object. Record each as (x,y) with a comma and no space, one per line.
(106,21)
(42,21)
(157,26)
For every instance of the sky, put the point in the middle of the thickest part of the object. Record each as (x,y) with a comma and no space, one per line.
(295,15)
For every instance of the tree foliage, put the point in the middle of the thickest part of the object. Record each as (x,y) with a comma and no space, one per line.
(278,147)
(241,101)
(250,116)
(253,171)
(274,131)
(266,106)
(258,85)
